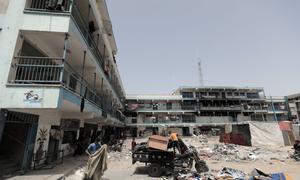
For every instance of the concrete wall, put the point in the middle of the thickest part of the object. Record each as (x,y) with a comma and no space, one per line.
(13,21)
(213,119)
(242,118)
(46,120)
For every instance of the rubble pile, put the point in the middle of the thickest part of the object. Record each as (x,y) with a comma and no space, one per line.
(210,148)
(125,154)
(231,152)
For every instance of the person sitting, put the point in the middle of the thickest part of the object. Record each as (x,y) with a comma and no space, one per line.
(94,147)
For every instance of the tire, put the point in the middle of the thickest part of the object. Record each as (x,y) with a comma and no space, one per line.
(155,170)
(201,167)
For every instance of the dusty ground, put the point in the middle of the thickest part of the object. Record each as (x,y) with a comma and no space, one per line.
(267,159)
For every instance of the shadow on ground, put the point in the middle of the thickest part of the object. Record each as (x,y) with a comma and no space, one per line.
(141,170)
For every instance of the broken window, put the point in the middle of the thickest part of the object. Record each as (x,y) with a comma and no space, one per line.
(187,94)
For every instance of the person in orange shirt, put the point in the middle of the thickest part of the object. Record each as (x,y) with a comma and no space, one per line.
(174,141)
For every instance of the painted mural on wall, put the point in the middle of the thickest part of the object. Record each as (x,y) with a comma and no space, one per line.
(43,133)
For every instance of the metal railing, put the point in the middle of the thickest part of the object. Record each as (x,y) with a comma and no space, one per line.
(75,83)
(49,5)
(199,120)
(166,108)
(118,115)
(225,108)
(69,6)
(47,70)
(94,46)
(38,70)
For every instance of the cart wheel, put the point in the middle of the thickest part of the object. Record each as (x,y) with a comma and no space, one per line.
(201,167)
(155,170)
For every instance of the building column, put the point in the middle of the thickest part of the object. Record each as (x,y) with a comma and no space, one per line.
(273,108)
(64,56)
(82,72)
(191,130)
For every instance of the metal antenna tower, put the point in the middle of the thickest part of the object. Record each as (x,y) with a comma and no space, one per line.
(201,83)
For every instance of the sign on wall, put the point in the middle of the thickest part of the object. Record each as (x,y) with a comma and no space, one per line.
(32,97)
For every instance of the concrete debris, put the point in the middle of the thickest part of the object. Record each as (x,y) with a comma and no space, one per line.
(236,153)
(229,173)
(121,155)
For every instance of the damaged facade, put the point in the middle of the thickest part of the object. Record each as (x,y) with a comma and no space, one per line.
(59,79)
(60,83)
(189,108)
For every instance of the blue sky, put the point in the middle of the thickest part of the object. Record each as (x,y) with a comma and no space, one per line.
(241,43)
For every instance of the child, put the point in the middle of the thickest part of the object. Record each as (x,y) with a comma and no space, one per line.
(133,144)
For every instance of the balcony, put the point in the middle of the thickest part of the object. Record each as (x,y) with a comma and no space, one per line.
(176,108)
(59,6)
(38,70)
(82,15)
(236,97)
(163,121)
(52,71)
(97,46)
(227,108)
(193,121)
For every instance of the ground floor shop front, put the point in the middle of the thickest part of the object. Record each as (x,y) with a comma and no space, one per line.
(37,138)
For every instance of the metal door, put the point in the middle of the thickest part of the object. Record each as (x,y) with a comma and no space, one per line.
(29,148)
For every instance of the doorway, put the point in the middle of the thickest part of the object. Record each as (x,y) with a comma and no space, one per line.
(18,140)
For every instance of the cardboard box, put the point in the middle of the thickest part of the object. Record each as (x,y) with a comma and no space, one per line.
(158,142)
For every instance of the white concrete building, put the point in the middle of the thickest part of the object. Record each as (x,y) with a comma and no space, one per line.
(59,78)
(190,108)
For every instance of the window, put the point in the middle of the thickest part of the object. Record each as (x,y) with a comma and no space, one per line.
(188,118)
(236,94)
(229,94)
(211,94)
(134,120)
(252,95)
(187,94)
(169,105)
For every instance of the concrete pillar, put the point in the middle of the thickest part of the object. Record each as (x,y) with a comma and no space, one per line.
(81,123)
(191,130)
(160,130)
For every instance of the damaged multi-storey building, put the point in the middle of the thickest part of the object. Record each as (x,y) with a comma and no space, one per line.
(60,84)
(189,109)
(59,79)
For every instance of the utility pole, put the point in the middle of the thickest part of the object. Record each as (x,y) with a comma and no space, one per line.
(201,83)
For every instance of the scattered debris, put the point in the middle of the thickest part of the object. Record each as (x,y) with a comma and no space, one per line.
(236,153)
(229,173)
